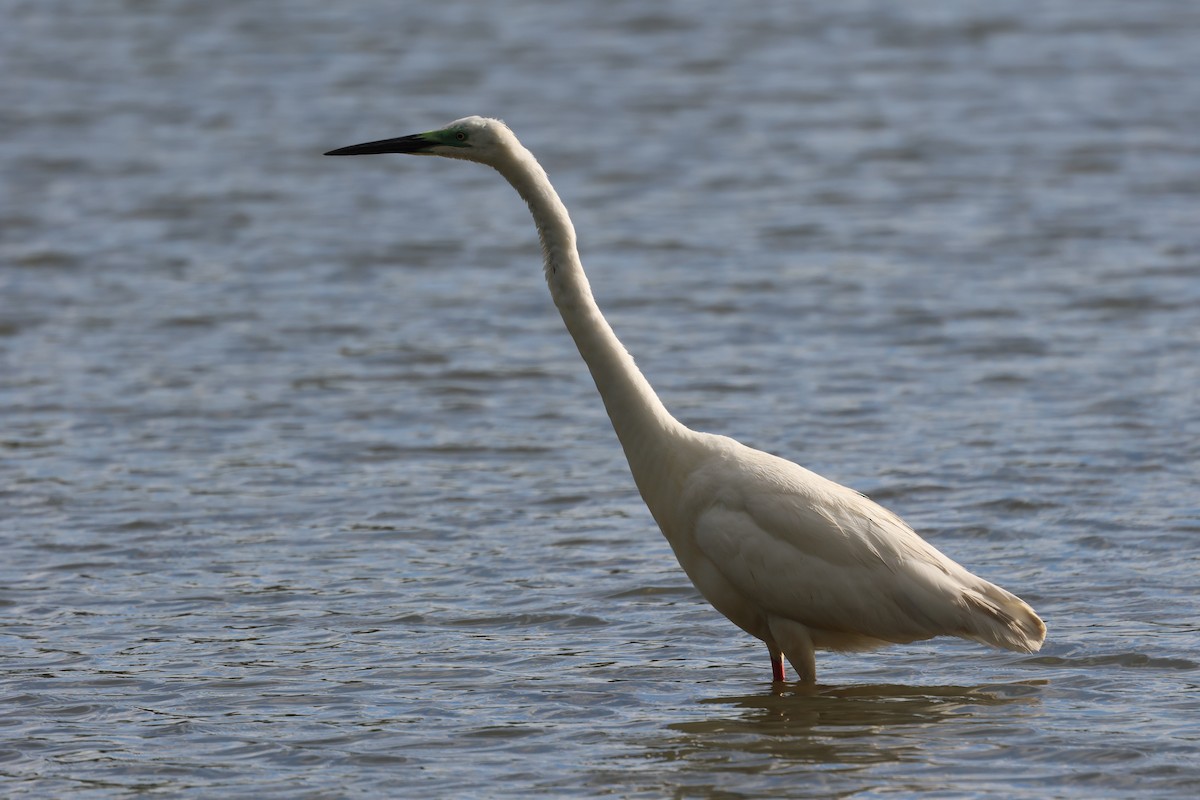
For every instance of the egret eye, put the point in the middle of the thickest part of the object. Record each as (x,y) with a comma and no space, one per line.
(462,137)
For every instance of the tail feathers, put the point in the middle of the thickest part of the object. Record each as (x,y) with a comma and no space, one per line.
(1002,619)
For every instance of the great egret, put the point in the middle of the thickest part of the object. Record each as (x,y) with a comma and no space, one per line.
(788,556)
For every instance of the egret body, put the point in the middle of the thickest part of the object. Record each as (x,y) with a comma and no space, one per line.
(788,556)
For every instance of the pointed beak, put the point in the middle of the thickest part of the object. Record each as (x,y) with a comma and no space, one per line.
(404,144)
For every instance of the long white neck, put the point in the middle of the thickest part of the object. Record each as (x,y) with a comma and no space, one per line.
(646,429)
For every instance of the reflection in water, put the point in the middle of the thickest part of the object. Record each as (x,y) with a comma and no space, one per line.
(835,729)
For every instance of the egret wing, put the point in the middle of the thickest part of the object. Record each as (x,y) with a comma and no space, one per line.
(810,550)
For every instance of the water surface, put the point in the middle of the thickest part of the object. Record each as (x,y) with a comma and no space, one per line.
(304,491)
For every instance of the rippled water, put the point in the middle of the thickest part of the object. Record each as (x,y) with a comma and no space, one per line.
(304,491)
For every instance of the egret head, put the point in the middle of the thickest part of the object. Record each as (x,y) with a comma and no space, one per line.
(471,138)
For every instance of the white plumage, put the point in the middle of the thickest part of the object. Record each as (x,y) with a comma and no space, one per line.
(790,557)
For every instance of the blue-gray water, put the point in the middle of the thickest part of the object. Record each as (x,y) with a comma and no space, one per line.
(304,491)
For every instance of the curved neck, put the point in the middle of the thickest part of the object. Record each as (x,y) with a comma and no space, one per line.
(641,421)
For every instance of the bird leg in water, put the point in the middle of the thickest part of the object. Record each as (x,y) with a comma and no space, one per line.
(777,673)
(793,639)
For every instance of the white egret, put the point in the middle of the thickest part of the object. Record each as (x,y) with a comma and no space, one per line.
(788,556)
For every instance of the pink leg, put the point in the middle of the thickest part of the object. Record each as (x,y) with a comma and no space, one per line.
(777,674)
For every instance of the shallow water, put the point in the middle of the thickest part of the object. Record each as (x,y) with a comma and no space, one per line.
(304,491)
